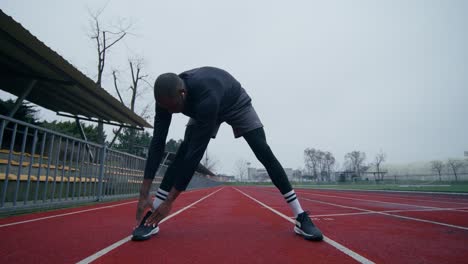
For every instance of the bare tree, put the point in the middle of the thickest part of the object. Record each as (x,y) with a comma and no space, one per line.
(105,39)
(319,162)
(437,166)
(136,68)
(322,165)
(311,158)
(329,161)
(379,159)
(241,168)
(355,161)
(455,165)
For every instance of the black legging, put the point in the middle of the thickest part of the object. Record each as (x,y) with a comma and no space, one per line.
(257,142)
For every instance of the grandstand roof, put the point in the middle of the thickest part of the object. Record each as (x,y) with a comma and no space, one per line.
(60,86)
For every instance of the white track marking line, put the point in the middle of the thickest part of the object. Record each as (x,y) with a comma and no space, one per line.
(389,211)
(60,215)
(387,214)
(76,212)
(384,191)
(196,190)
(374,201)
(333,243)
(106,250)
(407,198)
(445,200)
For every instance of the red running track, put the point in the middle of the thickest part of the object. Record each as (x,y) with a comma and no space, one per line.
(248,225)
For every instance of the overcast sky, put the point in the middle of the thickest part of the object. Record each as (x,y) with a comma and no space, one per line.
(334,75)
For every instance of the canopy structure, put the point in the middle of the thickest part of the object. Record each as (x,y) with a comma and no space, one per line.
(32,71)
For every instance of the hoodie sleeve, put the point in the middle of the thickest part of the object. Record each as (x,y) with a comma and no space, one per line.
(162,121)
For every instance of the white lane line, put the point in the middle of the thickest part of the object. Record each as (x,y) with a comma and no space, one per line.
(374,201)
(76,212)
(408,198)
(389,211)
(384,191)
(60,215)
(106,250)
(333,243)
(400,197)
(387,214)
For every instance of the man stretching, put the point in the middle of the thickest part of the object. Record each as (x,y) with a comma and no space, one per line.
(209,96)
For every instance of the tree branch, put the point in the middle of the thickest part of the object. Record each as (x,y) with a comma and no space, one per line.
(117,40)
(114,74)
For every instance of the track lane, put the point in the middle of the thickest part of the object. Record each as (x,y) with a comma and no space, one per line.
(384,239)
(39,216)
(229,228)
(72,237)
(457,217)
(441,197)
(428,201)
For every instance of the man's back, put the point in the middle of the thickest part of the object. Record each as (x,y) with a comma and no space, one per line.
(210,83)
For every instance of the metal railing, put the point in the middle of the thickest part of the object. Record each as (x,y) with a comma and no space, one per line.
(40,167)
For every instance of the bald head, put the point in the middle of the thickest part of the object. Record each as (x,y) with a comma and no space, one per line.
(167,85)
(169,92)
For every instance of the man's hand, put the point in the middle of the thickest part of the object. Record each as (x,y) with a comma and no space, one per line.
(144,203)
(145,200)
(159,214)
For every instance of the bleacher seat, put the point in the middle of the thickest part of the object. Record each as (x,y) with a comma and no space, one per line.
(36,165)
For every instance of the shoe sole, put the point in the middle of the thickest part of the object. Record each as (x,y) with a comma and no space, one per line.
(147,236)
(307,236)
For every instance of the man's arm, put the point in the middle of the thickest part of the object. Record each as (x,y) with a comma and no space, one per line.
(162,122)
(144,201)
(197,142)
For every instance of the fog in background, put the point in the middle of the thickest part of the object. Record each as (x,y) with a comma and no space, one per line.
(339,76)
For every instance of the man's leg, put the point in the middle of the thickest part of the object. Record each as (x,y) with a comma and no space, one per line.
(257,142)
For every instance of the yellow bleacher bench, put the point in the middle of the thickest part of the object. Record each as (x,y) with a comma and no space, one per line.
(36,165)
(7,151)
(42,178)
(13,177)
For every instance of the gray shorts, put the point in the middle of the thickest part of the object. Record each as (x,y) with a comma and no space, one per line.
(242,121)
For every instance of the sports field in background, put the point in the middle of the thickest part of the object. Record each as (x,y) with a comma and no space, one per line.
(450,187)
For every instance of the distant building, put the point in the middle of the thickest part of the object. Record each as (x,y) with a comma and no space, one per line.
(261,175)
(351,176)
(223,178)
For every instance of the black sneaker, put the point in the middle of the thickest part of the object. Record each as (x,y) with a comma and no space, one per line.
(143,232)
(306,228)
